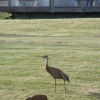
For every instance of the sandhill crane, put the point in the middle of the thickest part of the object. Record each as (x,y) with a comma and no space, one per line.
(56,73)
(38,97)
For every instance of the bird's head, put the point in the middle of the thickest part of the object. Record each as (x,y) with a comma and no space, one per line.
(45,56)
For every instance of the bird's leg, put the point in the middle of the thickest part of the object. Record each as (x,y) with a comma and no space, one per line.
(55,84)
(65,85)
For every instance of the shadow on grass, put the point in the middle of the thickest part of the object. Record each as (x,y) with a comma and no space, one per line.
(53,15)
(94,94)
(22,35)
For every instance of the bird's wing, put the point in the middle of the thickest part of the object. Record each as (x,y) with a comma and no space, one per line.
(65,76)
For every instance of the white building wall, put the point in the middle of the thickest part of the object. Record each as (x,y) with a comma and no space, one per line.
(13,2)
(37,3)
(16,2)
(3,3)
(64,3)
(30,3)
(60,3)
(46,3)
(71,2)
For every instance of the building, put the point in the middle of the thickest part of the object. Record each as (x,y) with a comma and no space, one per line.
(51,6)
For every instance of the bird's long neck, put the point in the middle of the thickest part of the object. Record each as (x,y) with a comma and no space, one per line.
(47,66)
(46,62)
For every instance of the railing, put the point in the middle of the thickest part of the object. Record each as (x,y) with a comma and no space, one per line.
(49,6)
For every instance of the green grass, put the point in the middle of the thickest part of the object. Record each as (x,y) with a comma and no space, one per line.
(72,45)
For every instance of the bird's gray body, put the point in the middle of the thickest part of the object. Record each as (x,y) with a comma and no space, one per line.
(57,73)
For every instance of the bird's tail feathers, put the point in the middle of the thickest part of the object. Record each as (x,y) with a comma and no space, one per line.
(68,80)
(65,77)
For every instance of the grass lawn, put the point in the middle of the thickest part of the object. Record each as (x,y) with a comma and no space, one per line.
(73,45)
